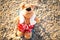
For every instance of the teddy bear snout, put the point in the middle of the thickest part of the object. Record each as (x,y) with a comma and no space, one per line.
(28,9)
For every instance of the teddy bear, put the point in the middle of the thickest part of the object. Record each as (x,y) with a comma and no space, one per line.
(26,20)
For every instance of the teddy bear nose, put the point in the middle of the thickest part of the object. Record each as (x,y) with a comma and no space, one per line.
(28,9)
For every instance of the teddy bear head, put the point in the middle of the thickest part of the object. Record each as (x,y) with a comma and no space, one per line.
(27,9)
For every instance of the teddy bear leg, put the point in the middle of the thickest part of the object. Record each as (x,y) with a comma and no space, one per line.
(28,35)
(19,33)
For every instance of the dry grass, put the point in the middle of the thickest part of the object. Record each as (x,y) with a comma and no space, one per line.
(47,11)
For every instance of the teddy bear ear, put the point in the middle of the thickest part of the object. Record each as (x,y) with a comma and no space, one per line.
(32,5)
(22,6)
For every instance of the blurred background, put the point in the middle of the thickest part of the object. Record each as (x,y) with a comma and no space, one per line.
(47,10)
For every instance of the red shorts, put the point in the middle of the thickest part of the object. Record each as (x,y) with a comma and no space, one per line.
(25,27)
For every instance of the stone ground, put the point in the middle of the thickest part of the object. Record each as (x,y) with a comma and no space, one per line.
(47,10)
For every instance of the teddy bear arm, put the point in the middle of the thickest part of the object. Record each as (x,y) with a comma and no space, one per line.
(37,20)
(17,18)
